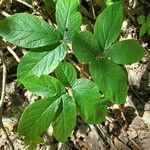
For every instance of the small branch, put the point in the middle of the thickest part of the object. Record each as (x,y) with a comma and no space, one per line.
(10,50)
(13,53)
(93,11)
(85,74)
(3,97)
(4,13)
(24,3)
(130,15)
(102,139)
(3,80)
(85,12)
(8,138)
(132,140)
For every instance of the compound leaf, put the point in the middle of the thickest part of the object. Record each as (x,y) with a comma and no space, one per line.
(28,31)
(68,18)
(37,117)
(111,79)
(66,121)
(108,25)
(85,46)
(43,86)
(87,97)
(38,63)
(125,52)
(66,73)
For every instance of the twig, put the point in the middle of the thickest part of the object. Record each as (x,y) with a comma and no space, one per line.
(93,11)
(13,53)
(2,98)
(24,3)
(85,12)
(3,80)
(135,143)
(4,13)
(2,42)
(130,15)
(102,138)
(132,140)
(7,136)
(79,69)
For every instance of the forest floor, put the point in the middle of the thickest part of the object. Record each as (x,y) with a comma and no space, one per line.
(127,127)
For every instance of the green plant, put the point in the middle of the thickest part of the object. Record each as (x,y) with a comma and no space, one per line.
(63,95)
(145,24)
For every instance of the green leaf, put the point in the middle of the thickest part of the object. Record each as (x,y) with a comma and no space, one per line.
(141,19)
(111,79)
(38,63)
(85,46)
(28,31)
(148,18)
(87,97)
(100,113)
(43,86)
(32,145)
(68,18)
(108,25)
(37,117)
(144,29)
(125,52)
(66,73)
(66,121)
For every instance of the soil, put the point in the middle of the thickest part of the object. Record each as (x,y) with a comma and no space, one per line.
(127,127)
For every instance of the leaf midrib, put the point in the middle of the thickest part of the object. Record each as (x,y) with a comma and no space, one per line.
(66,20)
(43,114)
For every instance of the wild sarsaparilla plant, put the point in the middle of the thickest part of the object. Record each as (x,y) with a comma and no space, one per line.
(63,95)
